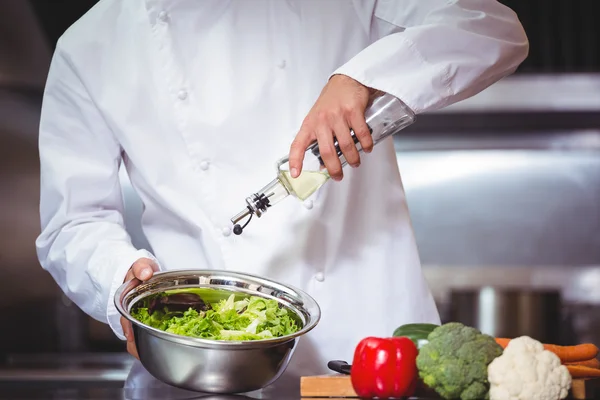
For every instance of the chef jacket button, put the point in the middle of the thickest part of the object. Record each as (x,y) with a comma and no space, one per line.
(308,204)
(226,231)
(281,64)
(204,165)
(182,94)
(320,277)
(163,16)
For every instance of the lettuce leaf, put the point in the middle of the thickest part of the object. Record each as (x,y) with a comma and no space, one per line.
(251,318)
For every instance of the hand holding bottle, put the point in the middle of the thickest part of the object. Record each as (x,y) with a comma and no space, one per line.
(339,108)
(347,118)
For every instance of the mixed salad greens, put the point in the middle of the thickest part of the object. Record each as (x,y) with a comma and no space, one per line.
(186,313)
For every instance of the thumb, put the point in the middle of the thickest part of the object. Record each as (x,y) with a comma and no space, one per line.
(143,269)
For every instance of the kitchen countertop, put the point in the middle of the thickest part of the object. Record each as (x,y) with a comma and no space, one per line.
(103,376)
(287,387)
(124,394)
(98,393)
(283,389)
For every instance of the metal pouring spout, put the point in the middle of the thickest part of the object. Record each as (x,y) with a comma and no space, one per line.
(257,204)
(237,229)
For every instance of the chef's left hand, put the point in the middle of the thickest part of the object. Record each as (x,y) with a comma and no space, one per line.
(142,269)
(339,108)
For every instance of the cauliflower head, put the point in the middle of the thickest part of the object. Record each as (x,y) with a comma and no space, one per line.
(454,362)
(526,370)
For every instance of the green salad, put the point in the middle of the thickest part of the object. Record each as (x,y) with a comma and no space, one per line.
(187,314)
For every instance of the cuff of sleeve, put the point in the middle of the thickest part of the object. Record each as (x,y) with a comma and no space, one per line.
(112,314)
(394,65)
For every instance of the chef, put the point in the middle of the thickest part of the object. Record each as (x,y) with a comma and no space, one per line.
(198,99)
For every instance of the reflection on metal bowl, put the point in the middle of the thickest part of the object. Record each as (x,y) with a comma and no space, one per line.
(216,366)
(509,312)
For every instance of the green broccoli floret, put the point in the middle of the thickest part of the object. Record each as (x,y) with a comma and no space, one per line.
(454,362)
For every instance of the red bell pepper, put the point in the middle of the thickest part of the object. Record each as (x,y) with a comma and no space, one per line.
(384,368)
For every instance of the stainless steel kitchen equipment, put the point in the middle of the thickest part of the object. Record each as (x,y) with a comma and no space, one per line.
(509,312)
(208,365)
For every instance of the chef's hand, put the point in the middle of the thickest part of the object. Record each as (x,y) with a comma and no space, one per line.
(340,107)
(142,269)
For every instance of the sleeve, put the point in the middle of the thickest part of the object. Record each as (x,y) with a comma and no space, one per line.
(433,53)
(83,243)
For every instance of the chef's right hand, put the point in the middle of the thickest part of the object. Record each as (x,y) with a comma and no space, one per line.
(142,269)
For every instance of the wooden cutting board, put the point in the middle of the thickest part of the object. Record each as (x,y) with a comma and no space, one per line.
(338,385)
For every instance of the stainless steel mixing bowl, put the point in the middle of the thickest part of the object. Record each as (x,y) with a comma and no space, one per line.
(216,366)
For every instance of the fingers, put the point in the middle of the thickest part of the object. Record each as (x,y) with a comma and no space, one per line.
(303,139)
(338,110)
(326,125)
(129,275)
(128,332)
(329,153)
(356,120)
(131,349)
(143,269)
(345,141)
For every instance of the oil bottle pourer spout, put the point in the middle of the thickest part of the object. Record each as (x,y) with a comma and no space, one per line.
(237,228)
(256,204)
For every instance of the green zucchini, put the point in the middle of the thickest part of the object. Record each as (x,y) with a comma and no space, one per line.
(416,332)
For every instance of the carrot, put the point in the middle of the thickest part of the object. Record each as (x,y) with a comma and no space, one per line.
(591,363)
(578,371)
(580,352)
(503,342)
(567,354)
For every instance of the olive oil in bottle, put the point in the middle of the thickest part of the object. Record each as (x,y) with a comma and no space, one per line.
(306,184)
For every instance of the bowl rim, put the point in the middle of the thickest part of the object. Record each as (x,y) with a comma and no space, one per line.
(311,308)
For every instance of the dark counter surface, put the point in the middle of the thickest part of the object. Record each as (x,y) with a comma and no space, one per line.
(39,392)
(282,390)
(109,376)
(106,376)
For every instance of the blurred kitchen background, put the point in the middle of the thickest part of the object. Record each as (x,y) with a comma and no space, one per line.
(504,192)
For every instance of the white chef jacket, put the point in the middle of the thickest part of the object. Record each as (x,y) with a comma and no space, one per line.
(198,99)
